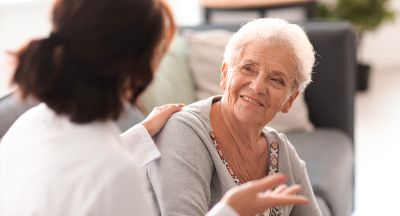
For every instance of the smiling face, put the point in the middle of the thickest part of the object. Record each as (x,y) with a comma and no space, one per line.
(260,85)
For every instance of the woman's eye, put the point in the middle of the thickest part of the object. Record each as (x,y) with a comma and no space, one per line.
(247,68)
(276,80)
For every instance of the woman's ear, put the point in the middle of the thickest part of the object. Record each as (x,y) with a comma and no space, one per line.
(289,103)
(224,73)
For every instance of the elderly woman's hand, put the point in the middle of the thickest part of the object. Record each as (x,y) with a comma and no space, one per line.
(248,198)
(156,120)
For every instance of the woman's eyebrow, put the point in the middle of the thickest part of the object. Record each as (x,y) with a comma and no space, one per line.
(279,73)
(251,61)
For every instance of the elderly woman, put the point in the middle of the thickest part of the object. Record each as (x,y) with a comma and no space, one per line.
(216,144)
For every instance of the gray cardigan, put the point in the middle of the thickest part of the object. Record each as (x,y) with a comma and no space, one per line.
(190,178)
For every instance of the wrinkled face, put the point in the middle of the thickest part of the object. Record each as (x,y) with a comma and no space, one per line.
(260,85)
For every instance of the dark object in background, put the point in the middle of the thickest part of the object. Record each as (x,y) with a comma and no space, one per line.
(363,77)
(365,16)
(255,5)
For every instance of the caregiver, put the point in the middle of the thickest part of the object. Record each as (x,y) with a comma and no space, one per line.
(65,156)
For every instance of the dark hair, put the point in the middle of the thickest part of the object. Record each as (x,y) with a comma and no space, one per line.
(98,57)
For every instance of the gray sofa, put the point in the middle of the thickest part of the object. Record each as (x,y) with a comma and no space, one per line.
(329,150)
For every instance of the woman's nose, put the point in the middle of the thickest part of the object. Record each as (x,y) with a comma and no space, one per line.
(258,85)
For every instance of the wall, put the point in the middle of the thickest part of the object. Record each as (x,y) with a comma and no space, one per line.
(20,21)
(23,20)
(381,48)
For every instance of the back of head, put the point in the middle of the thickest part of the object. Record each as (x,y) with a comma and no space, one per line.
(98,56)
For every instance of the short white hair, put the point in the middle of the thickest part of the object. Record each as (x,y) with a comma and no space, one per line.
(275,32)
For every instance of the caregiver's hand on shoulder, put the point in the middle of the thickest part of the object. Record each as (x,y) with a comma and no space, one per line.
(159,116)
(247,199)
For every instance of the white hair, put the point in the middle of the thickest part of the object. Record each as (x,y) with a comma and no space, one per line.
(275,32)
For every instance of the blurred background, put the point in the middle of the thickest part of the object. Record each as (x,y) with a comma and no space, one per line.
(377,99)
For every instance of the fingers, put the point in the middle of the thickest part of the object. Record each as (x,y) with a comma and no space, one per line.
(166,106)
(266,183)
(156,120)
(292,190)
(163,107)
(171,108)
(247,199)
(285,190)
(285,200)
(279,189)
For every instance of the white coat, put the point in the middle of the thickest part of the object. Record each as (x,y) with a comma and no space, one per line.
(50,166)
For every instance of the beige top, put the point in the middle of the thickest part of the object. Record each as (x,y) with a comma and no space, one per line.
(249,3)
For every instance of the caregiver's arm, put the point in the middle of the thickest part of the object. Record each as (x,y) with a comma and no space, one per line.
(137,140)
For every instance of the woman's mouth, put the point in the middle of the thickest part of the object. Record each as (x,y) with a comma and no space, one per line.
(251,100)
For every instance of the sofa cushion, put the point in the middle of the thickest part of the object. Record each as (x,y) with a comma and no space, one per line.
(295,120)
(205,60)
(11,107)
(173,81)
(328,154)
(206,57)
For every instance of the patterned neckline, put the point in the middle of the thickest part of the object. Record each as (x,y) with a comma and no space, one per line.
(273,168)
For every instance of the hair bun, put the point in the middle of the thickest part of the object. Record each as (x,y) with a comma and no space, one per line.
(57,38)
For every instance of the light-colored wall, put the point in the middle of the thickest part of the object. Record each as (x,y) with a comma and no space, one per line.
(380,48)
(20,21)
(23,20)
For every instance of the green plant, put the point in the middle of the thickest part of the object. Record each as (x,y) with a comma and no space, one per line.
(366,15)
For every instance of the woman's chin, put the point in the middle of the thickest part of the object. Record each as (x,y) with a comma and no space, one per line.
(250,118)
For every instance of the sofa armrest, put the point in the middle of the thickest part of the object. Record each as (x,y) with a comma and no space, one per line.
(11,107)
(329,158)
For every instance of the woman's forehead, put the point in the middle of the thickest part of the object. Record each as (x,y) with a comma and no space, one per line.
(268,56)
